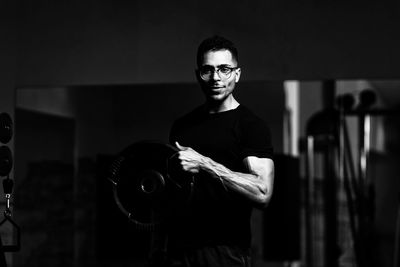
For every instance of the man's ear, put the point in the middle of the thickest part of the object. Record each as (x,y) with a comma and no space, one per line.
(197,74)
(238,72)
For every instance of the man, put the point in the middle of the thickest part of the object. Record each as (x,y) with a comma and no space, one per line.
(228,150)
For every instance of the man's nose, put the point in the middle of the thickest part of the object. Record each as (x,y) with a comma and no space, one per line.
(215,76)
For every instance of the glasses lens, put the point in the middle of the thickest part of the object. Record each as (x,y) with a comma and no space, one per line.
(206,72)
(223,72)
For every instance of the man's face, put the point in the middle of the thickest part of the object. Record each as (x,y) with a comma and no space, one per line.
(218,88)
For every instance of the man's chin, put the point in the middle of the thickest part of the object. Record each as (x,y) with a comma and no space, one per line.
(216,97)
(215,100)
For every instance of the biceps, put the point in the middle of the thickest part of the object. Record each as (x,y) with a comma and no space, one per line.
(263,167)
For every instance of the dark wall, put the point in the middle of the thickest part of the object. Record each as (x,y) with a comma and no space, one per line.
(119,42)
(8,55)
(109,118)
(44,199)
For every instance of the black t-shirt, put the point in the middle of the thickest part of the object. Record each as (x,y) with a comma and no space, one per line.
(217,215)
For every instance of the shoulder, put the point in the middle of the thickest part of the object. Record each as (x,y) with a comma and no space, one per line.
(194,114)
(246,113)
(246,118)
(254,135)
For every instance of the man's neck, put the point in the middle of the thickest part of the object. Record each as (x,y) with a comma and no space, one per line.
(216,107)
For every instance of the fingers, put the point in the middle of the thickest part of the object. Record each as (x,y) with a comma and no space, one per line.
(188,158)
(190,168)
(180,147)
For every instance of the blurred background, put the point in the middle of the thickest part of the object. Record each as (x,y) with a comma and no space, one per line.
(82,80)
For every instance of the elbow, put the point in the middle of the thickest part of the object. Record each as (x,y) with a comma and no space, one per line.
(267,189)
(263,199)
(266,199)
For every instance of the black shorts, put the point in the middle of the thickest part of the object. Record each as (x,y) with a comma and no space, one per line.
(211,256)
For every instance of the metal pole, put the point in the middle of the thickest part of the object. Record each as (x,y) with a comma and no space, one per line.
(309,201)
(348,176)
(396,250)
(364,147)
(330,204)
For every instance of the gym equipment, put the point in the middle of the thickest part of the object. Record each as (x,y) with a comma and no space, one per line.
(149,186)
(328,150)
(6,164)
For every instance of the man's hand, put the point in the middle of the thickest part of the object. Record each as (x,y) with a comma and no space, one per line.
(191,160)
(257,184)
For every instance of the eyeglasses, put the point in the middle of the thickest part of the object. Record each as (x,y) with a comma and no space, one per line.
(224,72)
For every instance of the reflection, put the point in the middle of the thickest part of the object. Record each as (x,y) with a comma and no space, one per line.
(348,204)
(44,181)
(66,138)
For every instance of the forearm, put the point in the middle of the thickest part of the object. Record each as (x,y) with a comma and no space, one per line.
(256,185)
(248,184)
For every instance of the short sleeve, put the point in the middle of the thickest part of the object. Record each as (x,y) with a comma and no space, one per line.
(255,138)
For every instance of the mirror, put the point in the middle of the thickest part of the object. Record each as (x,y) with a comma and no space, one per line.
(67,137)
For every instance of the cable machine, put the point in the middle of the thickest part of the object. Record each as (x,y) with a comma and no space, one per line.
(329,165)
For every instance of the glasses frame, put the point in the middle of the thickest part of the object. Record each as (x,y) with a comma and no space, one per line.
(218,70)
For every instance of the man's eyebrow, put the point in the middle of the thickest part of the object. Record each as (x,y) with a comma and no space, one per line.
(218,66)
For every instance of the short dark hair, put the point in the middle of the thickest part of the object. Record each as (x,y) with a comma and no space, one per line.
(216,43)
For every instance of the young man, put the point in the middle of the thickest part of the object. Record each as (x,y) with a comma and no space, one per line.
(228,150)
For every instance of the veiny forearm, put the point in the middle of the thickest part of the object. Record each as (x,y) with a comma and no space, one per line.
(248,184)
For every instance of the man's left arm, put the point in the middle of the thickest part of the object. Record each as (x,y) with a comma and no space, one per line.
(256,185)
